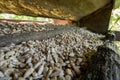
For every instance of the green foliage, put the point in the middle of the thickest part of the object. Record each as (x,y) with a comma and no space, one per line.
(18,17)
(115,20)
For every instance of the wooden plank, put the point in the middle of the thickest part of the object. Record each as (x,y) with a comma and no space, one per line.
(62,9)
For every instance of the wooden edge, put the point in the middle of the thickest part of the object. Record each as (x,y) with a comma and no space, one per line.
(21,21)
(99,20)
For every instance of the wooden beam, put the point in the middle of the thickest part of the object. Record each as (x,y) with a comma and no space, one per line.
(99,20)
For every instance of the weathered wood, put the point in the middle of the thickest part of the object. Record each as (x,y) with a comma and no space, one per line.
(63,9)
(91,13)
(99,20)
(105,64)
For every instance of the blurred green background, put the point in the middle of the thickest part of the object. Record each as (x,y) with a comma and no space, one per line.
(21,17)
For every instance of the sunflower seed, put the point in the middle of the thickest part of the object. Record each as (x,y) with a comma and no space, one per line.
(28,72)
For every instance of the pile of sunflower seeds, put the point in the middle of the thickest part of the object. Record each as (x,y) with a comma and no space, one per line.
(64,57)
(12,28)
